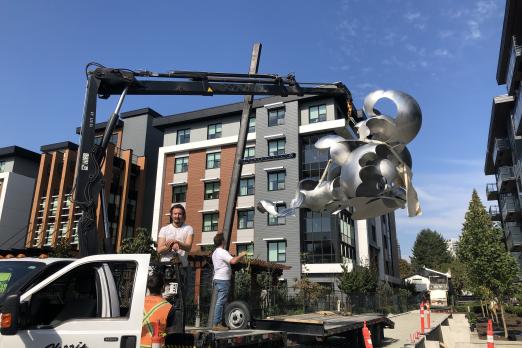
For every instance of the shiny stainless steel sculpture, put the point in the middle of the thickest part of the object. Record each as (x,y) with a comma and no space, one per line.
(372,174)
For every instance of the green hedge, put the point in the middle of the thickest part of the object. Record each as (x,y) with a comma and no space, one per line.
(514,310)
(474,308)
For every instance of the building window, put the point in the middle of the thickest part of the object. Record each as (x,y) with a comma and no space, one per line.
(246,186)
(277,251)
(179,193)
(317,113)
(2,166)
(210,222)
(245,219)
(347,229)
(181,165)
(276,181)
(212,190)
(277,220)
(318,236)
(213,160)
(183,136)
(248,247)
(276,117)
(214,131)
(276,147)
(113,139)
(250,152)
(252,124)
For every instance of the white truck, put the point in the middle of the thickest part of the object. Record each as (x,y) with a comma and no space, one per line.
(97,301)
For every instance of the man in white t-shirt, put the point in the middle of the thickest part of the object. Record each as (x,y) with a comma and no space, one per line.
(176,237)
(221,259)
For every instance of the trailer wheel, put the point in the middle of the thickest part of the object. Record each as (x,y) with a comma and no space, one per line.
(237,315)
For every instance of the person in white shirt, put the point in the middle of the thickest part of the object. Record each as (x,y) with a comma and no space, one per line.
(176,238)
(222,260)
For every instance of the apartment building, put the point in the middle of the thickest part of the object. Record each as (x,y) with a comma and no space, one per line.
(129,176)
(504,148)
(195,166)
(18,169)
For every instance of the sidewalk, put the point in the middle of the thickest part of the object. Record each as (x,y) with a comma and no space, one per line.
(406,324)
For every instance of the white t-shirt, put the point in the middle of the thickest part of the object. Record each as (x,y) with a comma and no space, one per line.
(221,260)
(170,232)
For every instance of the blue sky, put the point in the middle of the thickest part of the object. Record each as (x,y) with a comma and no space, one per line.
(444,53)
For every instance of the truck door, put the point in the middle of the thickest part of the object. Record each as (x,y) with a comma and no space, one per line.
(95,302)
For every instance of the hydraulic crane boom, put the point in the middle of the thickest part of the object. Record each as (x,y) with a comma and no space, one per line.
(103,82)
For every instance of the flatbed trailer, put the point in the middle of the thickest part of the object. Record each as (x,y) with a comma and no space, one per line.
(322,325)
(205,338)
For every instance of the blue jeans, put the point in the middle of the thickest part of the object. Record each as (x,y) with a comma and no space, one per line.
(222,288)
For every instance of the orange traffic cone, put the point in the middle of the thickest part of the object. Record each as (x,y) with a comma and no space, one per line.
(422,317)
(428,312)
(491,343)
(156,338)
(367,335)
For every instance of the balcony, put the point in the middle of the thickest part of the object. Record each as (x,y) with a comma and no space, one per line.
(501,152)
(513,233)
(494,213)
(491,192)
(510,208)
(506,181)
(514,68)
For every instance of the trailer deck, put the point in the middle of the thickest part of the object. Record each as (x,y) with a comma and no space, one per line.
(204,337)
(325,324)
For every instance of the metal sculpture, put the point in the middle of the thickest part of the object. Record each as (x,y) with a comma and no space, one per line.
(372,174)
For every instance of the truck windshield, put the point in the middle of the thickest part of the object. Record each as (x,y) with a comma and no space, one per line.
(13,271)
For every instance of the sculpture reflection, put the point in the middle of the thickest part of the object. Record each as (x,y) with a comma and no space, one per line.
(372,174)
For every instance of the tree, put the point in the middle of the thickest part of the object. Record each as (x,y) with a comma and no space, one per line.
(405,269)
(360,280)
(489,267)
(63,248)
(459,279)
(430,250)
(141,243)
(308,292)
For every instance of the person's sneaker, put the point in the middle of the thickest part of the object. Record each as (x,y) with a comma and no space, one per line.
(219,328)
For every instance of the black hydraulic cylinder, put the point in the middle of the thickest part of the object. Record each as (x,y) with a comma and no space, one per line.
(85,169)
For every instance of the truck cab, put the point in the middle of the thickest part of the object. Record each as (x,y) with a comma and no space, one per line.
(95,301)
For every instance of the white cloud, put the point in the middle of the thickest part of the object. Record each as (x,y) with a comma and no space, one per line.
(486,8)
(411,16)
(474,30)
(443,34)
(442,52)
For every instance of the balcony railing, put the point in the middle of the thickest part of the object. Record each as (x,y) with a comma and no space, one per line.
(513,233)
(510,208)
(491,192)
(494,212)
(501,152)
(517,113)
(513,71)
(506,179)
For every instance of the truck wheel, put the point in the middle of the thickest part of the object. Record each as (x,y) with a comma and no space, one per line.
(237,315)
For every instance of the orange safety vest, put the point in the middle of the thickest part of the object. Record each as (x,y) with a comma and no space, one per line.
(155,309)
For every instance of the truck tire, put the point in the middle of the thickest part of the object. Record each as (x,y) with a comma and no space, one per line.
(237,315)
